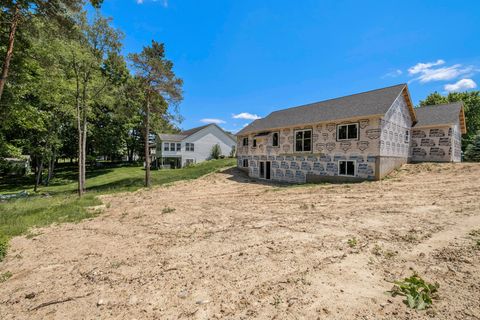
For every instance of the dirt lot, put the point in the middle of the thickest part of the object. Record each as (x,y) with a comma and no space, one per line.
(226,247)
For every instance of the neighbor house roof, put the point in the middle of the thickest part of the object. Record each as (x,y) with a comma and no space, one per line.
(375,102)
(171,137)
(186,133)
(441,114)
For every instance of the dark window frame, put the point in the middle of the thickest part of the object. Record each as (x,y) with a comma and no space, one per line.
(245,142)
(166,146)
(278,139)
(245,163)
(303,140)
(189,146)
(254,143)
(346,174)
(348,125)
(407,136)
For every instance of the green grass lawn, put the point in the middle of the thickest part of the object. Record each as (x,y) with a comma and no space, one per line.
(59,203)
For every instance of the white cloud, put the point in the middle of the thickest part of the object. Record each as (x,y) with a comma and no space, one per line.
(246,124)
(164,2)
(421,67)
(461,85)
(246,116)
(210,120)
(393,74)
(426,72)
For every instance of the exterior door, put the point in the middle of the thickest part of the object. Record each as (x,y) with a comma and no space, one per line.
(267,170)
(262,169)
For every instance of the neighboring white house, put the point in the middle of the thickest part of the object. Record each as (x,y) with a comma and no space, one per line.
(192,146)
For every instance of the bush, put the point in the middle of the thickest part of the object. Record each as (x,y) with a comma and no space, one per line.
(233,152)
(216,152)
(472,152)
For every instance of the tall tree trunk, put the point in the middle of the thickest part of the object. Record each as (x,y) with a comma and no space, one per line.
(38,178)
(51,167)
(147,147)
(9,54)
(84,151)
(80,150)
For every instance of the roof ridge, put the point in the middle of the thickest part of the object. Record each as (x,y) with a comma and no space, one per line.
(342,97)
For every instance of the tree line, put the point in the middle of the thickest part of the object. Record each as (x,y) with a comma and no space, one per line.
(66,91)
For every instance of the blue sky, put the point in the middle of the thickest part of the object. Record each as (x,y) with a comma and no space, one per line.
(245,58)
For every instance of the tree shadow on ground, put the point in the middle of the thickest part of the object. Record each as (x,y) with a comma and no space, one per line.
(241,176)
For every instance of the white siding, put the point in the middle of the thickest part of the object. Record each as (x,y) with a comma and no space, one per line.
(203,142)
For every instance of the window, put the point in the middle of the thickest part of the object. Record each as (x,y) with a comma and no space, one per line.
(303,140)
(347,131)
(188,162)
(172,146)
(254,143)
(179,147)
(346,168)
(407,134)
(166,146)
(245,163)
(189,146)
(275,139)
(245,141)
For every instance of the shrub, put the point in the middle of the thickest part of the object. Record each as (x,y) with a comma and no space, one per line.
(233,152)
(216,152)
(472,152)
(418,292)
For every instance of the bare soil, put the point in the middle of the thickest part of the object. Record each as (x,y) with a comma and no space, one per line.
(224,246)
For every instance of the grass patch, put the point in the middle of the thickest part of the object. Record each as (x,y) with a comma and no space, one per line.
(168,210)
(352,242)
(418,292)
(63,205)
(5,276)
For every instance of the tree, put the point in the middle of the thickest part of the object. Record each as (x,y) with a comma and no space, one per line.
(233,152)
(160,88)
(92,56)
(20,11)
(472,152)
(216,152)
(471,101)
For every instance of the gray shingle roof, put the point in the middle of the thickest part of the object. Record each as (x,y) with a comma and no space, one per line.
(171,137)
(357,105)
(186,133)
(440,114)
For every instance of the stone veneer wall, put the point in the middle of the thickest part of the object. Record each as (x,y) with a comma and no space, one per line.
(434,144)
(323,161)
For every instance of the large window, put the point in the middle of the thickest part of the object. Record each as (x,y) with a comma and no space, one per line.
(189,146)
(179,147)
(172,146)
(245,141)
(254,145)
(347,131)
(275,139)
(245,163)
(166,146)
(303,140)
(346,168)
